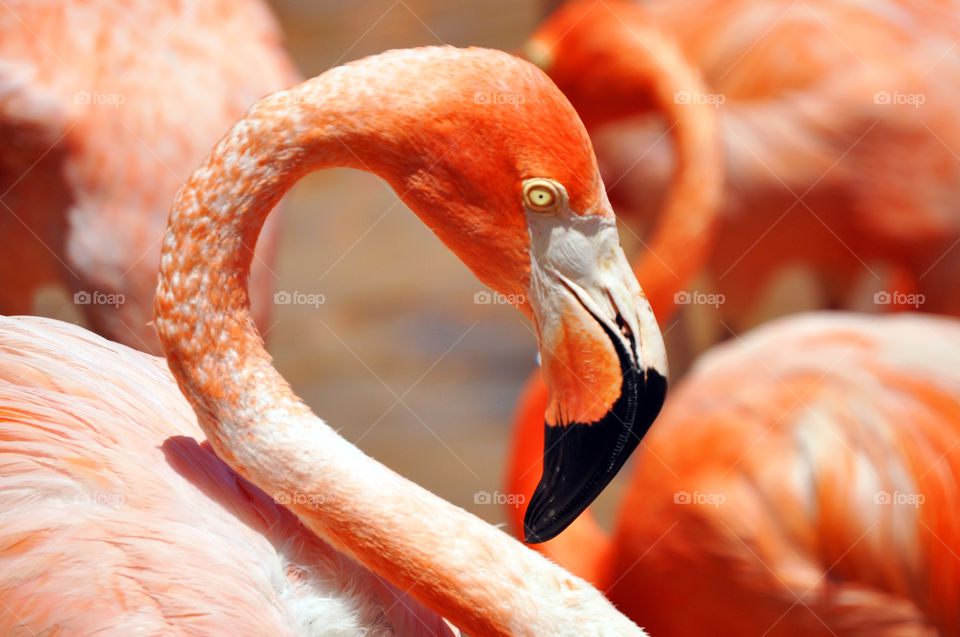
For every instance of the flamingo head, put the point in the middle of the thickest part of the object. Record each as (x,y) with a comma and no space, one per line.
(599,54)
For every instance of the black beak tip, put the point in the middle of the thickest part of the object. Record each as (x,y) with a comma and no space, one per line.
(580,459)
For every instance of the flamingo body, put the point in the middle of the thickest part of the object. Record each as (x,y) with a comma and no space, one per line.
(830,443)
(105,109)
(118,515)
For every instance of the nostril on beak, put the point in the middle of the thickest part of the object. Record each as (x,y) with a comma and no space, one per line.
(628,335)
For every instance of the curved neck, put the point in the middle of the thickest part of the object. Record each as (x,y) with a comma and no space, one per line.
(652,63)
(462,568)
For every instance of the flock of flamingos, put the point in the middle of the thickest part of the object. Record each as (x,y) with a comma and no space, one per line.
(802,479)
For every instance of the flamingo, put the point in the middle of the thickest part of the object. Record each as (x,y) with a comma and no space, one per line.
(105,108)
(837,125)
(802,480)
(513,188)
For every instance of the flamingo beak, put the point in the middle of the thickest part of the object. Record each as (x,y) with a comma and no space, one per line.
(603,361)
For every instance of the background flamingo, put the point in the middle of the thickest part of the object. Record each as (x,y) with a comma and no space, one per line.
(837,126)
(403,115)
(802,480)
(105,108)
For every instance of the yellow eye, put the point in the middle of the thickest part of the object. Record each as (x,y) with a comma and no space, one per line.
(541,195)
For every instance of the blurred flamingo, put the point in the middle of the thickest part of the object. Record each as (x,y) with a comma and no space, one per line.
(105,108)
(800,481)
(189,543)
(838,126)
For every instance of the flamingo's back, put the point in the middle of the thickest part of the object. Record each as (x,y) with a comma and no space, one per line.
(118,518)
(106,107)
(802,480)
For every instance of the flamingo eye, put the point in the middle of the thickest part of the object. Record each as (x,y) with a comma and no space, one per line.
(541,195)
